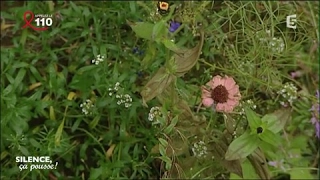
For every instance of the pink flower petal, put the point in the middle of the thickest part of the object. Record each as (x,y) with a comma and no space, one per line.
(228,109)
(205,92)
(220,107)
(233,97)
(233,91)
(207,102)
(217,80)
(229,83)
(232,102)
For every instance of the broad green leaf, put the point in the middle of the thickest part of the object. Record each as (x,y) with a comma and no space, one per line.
(253,119)
(170,45)
(156,85)
(159,30)
(259,163)
(277,120)
(186,59)
(95,173)
(242,146)
(142,29)
(301,174)
(269,137)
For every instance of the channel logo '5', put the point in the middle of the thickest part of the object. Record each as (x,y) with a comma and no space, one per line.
(43,21)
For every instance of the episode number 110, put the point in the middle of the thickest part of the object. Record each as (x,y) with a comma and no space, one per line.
(44,22)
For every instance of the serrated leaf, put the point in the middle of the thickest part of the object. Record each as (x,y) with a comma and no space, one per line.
(156,85)
(277,120)
(142,29)
(186,59)
(242,146)
(253,119)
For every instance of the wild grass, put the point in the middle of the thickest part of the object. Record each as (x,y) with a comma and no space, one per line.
(47,75)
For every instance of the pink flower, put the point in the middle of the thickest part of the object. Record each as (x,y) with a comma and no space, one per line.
(222,92)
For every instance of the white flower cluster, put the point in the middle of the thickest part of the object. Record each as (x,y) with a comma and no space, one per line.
(122,98)
(275,44)
(98,59)
(247,66)
(154,114)
(288,93)
(87,107)
(199,149)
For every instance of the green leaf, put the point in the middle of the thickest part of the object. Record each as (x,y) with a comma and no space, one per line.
(258,161)
(159,31)
(269,137)
(142,29)
(162,150)
(301,174)
(242,146)
(156,85)
(186,59)
(95,173)
(149,57)
(168,162)
(170,45)
(169,128)
(253,119)
(94,122)
(163,142)
(277,120)
(59,133)
(19,78)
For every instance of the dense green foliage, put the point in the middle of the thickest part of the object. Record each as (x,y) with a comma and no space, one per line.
(112,90)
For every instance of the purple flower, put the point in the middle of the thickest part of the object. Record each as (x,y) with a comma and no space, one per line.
(136,50)
(174,26)
(315,109)
(317,126)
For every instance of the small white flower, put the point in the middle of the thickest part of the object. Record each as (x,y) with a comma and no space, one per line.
(288,93)
(199,149)
(87,107)
(98,59)
(154,114)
